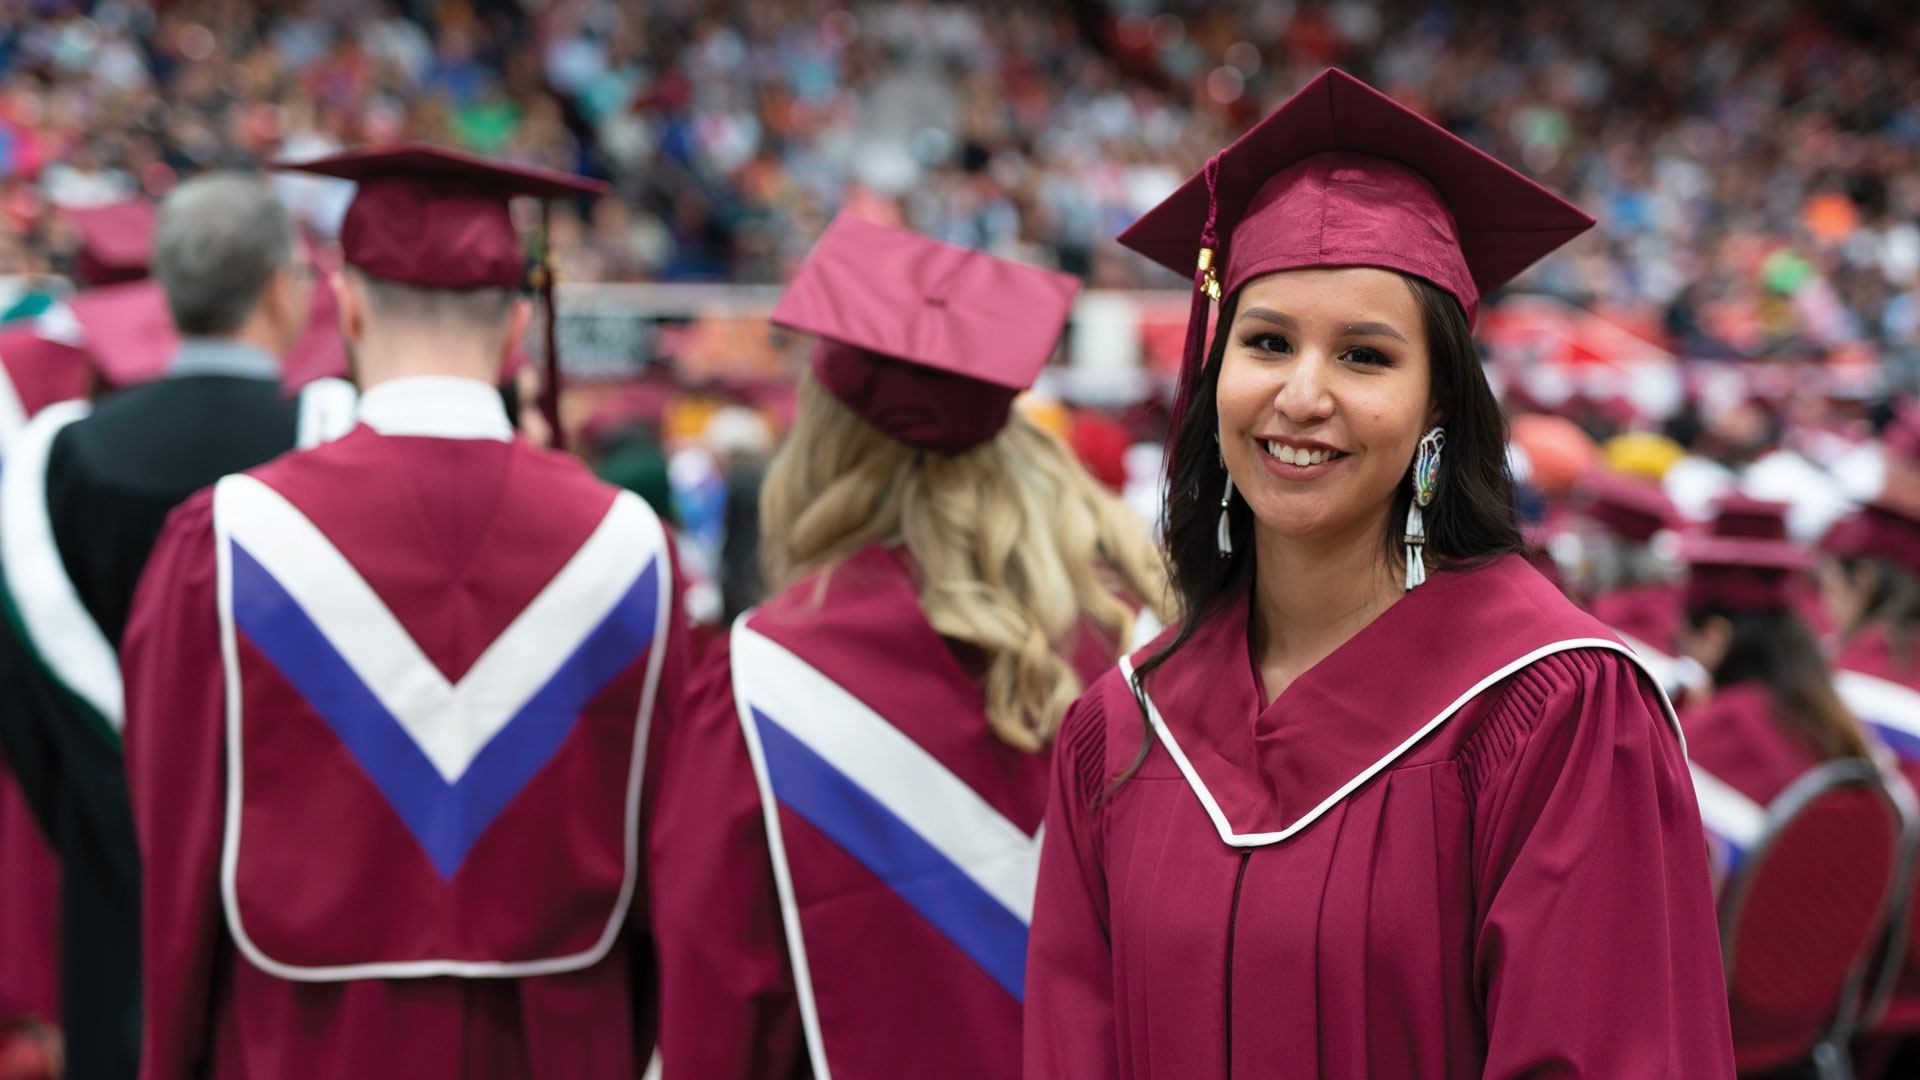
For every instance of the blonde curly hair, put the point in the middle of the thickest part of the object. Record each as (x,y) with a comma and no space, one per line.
(1015,544)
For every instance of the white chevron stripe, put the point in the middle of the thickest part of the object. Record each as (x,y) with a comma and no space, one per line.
(451,722)
(63,632)
(1880,701)
(1725,811)
(886,764)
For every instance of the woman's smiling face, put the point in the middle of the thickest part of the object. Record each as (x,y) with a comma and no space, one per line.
(1325,390)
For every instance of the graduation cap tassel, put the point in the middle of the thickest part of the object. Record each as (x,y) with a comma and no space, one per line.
(543,283)
(1206,288)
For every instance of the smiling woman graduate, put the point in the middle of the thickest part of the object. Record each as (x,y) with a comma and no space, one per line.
(1385,804)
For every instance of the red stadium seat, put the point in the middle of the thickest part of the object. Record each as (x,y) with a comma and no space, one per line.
(1802,913)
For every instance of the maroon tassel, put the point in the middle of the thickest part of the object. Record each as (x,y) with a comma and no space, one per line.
(1206,286)
(550,386)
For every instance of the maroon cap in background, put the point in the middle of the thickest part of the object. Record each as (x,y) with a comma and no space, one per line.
(927,341)
(116,241)
(437,218)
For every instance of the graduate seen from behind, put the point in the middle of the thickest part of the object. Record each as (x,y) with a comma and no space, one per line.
(1870,582)
(86,489)
(1385,803)
(848,840)
(390,701)
(1771,712)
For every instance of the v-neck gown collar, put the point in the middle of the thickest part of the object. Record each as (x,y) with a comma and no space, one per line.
(1264,772)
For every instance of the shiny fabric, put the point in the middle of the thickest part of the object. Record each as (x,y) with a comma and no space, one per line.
(210,1013)
(1743,560)
(29,912)
(437,218)
(1342,175)
(1877,531)
(116,240)
(896,997)
(1522,893)
(1629,508)
(932,341)
(1734,736)
(1650,614)
(920,406)
(129,336)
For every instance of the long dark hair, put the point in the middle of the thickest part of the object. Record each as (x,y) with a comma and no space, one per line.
(1472,518)
(1775,648)
(1893,604)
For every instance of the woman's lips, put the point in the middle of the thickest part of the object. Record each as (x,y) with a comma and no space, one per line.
(1298,462)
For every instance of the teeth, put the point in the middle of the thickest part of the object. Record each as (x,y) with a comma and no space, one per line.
(1294,456)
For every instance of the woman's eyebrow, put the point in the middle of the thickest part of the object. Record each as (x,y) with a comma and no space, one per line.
(1356,329)
(1372,329)
(1268,315)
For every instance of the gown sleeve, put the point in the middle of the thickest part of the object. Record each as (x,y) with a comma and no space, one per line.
(175,742)
(1597,952)
(728,1007)
(1070,1029)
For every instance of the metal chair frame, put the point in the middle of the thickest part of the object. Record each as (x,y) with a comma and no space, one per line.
(1829,1051)
(1893,946)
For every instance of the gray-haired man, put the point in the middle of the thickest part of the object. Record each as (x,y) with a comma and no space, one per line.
(85,491)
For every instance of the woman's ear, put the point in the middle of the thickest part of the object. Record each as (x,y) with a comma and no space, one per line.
(1716,637)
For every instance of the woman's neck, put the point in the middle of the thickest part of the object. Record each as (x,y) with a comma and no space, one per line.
(1310,597)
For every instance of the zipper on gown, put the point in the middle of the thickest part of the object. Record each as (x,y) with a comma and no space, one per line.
(1233,923)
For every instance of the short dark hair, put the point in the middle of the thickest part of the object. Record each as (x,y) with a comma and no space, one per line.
(455,310)
(219,240)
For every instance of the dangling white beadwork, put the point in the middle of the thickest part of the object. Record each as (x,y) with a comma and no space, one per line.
(1426,476)
(1225,537)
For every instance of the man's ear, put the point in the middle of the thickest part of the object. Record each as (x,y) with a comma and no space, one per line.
(352,305)
(518,320)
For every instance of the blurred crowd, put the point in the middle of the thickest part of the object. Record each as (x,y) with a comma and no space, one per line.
(1754,166)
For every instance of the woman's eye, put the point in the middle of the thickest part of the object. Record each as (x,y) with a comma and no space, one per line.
(1369,357)
(1272,343)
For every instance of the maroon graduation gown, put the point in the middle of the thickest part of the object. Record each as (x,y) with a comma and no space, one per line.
(730,1008)
(29,912)
(1519,891)
(1734,736)
(1649,614)
(211,1011)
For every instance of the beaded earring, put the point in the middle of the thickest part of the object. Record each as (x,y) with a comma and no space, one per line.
(1426,476)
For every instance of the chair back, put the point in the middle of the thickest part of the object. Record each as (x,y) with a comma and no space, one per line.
(1892,1003)
(1802,911)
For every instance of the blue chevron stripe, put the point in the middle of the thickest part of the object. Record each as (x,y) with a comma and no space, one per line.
(447,819)
(943,893)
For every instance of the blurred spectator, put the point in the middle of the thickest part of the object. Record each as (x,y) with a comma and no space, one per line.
(1756,172)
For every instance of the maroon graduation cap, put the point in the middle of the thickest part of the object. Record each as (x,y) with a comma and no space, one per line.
(1342,175)
(320,353)
(1879,530)
(1743,561)
(42,370)
(926,341)
(437,218)
(116,241)
(129,338)
(1634,510)
(127,331)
